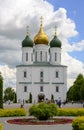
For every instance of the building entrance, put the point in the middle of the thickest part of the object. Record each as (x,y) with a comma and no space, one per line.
(41,97)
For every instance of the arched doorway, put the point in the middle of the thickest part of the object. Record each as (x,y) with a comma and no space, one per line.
(41,97)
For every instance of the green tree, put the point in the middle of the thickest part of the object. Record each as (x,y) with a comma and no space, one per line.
(52,98)
(9,94)
(76,91)
(30,97)
(1,91)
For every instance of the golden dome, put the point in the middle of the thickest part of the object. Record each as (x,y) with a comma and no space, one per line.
(41,37)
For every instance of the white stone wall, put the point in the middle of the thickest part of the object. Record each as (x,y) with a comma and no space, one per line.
(32,81)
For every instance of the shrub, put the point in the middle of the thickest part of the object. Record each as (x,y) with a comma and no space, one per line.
(78,123)
(43,111)
(70,112)
(1,126)
(12,112)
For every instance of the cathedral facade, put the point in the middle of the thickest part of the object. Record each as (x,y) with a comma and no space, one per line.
(41,74)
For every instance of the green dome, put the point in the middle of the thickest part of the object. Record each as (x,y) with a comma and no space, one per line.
(27,42)
(55,42)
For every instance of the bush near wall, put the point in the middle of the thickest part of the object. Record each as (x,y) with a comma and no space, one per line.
(78,123)
(43,111)
(1,126)
(12,112)
(70,112)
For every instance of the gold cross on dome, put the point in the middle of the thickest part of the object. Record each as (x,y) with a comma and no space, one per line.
(41,20)
(27,30)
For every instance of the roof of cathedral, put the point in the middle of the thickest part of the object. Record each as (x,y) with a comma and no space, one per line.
(55,42)
(41,37)
(27,42)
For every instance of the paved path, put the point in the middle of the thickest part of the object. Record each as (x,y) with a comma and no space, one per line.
(8,126)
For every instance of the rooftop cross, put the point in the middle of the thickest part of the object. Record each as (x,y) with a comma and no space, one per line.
(41,18)
(27,30)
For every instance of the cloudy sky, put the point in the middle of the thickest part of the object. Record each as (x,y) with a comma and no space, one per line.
(15,15)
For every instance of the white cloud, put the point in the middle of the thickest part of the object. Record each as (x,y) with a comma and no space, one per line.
(9,76)
(16,15)
(75,67)
(79,46)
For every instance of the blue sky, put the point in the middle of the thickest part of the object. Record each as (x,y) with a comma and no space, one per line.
(75,11)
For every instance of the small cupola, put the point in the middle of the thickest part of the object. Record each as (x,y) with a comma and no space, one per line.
(55,42)
(27,42)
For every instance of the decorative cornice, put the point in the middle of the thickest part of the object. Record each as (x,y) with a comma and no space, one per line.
(42,64)
(41,82)
(58,83)
(25,82)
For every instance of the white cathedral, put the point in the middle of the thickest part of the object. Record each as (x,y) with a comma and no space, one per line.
(41,73)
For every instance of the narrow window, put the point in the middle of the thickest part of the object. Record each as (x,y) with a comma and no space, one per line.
(25,74)
(25,88)
(57,89)
(46,56)
(31,56)
(57,74)
(35,56)
(22,57)
(41,88)
(55,56)
(41,80)
(26,56)
(41,74)
(41,55)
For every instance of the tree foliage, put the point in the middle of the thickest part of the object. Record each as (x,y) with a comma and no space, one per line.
(30,97)
(76,91)
(9,94)
(1,91)
(43,111)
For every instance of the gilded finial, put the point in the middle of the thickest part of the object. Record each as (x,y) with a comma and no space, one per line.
(27,30)
(41,21)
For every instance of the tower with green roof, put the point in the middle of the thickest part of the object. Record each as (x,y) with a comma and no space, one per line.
(55,50)
(27,49)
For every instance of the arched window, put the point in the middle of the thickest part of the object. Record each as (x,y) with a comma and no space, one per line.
(41,88)
(35,56)
(25,88)
(46,56)
(57,74)
(57,88)
(55,56)
(41,55)
(31,56)
(25,74)
(26,56)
